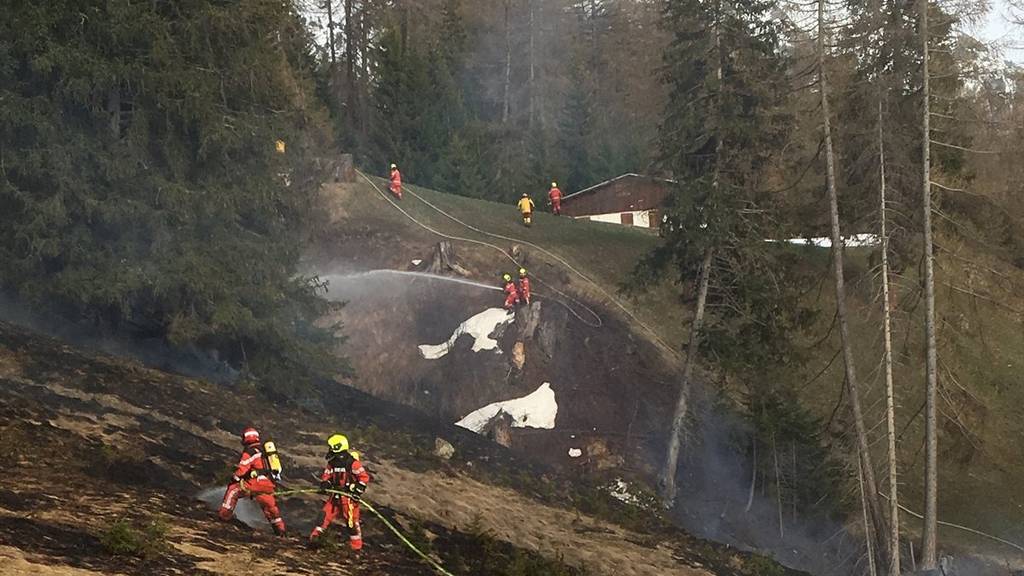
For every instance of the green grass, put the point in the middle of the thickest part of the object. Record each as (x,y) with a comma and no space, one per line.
(605,253)
(145,541)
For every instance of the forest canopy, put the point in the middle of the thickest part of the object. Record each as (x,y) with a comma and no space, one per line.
(140,187)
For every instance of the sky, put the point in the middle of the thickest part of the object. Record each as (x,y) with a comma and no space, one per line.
(999,29)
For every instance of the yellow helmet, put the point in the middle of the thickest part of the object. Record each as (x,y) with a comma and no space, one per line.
(507,277)
(337,443)
(522,272)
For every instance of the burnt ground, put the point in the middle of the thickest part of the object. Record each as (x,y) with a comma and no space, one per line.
(91,442)
(614,388)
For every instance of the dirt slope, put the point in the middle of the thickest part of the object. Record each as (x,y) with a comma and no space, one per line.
(612,384)
(93,441)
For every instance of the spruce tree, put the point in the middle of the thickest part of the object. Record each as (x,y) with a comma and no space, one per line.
(140,189)
(724,115)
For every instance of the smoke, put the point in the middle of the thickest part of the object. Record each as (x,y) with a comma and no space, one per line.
(154,352)
(247,511)
(716,502)
(346,281)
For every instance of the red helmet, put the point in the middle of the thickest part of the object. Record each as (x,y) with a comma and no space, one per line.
(250,436)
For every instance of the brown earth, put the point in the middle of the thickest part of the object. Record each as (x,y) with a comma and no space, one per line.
(93,441)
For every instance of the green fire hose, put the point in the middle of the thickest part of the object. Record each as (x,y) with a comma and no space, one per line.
(398,533)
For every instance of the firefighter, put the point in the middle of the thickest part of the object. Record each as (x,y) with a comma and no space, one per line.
(555,199)
(345,473)
(255,477)
(511,292)
(396,182)
(526,208)
(524,286)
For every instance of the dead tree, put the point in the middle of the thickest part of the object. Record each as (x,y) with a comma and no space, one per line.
(929,535)
(675,439)
(505,106)
(890,404)
(876,529)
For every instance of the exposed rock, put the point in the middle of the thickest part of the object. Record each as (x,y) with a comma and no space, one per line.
(499,429)
(527,320)
(519,355)
(344,169)
(550,328)
(444,261)
(599,457)
(443,449)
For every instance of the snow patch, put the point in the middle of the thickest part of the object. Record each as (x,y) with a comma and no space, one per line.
(619,489)
(854,241)
(480,327)
(575,452)
(536,410)
(417,262)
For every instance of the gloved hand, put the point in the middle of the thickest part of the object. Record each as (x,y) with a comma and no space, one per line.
(324,487)
(234,480)
(356,490)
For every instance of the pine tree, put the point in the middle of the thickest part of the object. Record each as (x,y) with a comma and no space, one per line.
(140,186)
(723,69)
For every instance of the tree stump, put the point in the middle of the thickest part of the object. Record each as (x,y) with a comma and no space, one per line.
(443,261)
(499,429)
(345,169)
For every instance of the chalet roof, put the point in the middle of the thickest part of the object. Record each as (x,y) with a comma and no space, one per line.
(616,179)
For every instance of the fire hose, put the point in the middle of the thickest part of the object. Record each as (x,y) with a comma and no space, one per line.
(654,335)
(369,507)
(595,323)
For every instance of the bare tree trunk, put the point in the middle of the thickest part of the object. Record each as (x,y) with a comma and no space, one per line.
(508,66)
(931,483)
(350,64)
(330,31)
(868,530)
(890,404)
(778,486)
(114,108)
(364,72)
(531,84)
(668,473)
(753,479)
(863,446)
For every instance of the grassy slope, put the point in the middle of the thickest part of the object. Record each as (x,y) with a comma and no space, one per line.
(981,343)
(605,253)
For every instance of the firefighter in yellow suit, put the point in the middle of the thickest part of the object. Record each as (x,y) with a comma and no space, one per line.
(526,208)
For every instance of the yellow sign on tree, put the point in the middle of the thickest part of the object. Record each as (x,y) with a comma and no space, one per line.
(280,146)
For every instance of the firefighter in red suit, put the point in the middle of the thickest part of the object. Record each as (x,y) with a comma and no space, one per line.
(344,472)
(254,479)
(395,184)
(555,199)
(524,286)
(511,292)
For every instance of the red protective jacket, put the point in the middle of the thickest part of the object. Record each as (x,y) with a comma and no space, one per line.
(524,289)
(251,465)
(341,471)
(396,183)
(511,295)
(253,479)
(555,195)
